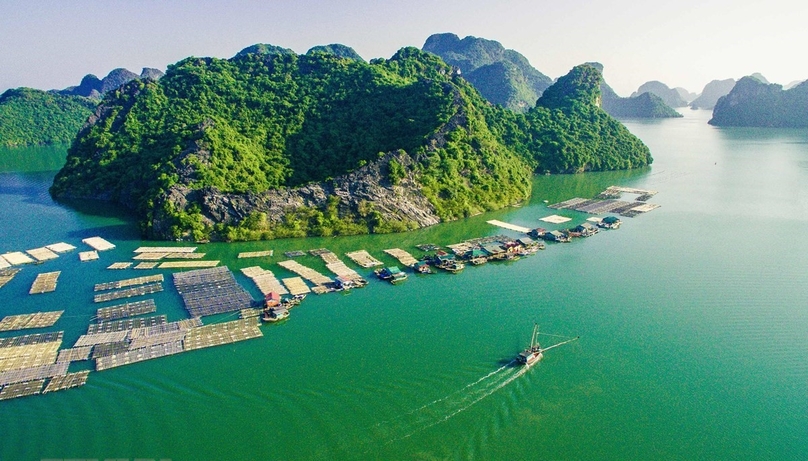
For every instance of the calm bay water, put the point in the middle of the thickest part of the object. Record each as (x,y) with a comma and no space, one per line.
(693,324)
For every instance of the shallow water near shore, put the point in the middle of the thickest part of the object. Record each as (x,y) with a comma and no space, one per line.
(692,319)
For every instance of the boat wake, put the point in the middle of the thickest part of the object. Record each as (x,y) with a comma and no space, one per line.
(442,409)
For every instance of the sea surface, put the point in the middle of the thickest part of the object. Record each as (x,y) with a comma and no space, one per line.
(693,324)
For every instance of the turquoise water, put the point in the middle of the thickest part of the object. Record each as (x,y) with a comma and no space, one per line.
(693,324)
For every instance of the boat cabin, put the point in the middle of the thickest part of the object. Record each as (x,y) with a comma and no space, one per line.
(585,230)
(272,299)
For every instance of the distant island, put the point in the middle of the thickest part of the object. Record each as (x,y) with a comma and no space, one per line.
(645,105)
(273,144)
(712,92)
(670,96)
(30,117)
(753,102)
(502,76)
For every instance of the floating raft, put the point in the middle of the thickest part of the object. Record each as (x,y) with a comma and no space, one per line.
(222,333)
(306,272)
(101,338)
(265,280)
(165,250)
(107,349)
(6,275)
(44,283)
(33,373)
(403,257)
(138,355)
(617,191)
(74,354)
(26,340)
(255,254)
(98,244)
(60,247)
(296,286)
(15,358)
(42,254)
(333,264)
(17,258)
(146,266)
(126,324)
(187,264)
(27,321)
(211,291)
(118,266)
(364,259)
(85,256)
(294,254)
(128,282)
(509,226)
(122,311)
(3,263)
(12,391)
(160,334)
(68,381)
(327,256)
(129,292)
(158,256)
(249,313)
(555,219)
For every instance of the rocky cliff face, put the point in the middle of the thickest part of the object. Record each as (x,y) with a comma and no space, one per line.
(95,88)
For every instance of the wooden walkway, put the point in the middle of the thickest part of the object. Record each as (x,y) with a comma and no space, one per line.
(28,321)
(306,272)
(98,244)
(402,256)
(364,259)
(44,283)
(509,226)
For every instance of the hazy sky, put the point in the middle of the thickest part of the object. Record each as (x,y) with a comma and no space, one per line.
(53,44)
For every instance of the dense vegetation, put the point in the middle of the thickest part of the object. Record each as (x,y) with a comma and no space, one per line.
(34,117)
(342,51)
(502,76)
(270,119)
(753,102)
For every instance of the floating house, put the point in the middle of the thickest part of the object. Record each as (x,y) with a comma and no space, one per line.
(555,236)
(610,222)
(585,230)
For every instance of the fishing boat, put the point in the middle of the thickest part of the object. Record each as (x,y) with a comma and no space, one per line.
(391,274)
(535,352)
(275,314)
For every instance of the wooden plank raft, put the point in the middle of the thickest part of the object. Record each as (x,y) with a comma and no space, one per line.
(44,283)
(28,321)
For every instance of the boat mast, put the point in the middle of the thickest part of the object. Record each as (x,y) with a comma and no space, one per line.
(533,341)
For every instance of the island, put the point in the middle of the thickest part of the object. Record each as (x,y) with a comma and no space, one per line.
(753,102)
(274,144)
